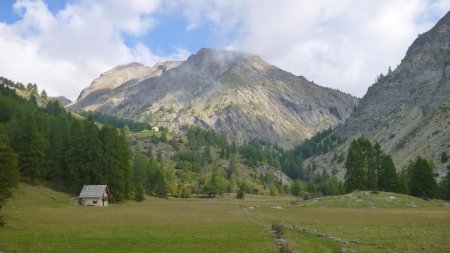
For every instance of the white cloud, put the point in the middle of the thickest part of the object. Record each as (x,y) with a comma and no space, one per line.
(343,44)
(63,52)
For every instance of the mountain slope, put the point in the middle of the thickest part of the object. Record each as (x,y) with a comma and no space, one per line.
(64,101)
(408,110)
(231,92)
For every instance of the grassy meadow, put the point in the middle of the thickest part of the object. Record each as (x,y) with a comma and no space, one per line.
(40,220)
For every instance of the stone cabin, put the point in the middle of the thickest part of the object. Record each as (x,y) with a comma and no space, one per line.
(94,195)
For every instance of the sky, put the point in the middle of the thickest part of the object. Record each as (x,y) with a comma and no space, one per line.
(62,45)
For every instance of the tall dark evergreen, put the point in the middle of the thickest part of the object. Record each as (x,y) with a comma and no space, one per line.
(356,174)
(421,181)
(74,161)
(388,180)
(31,146)
(378,157)
(444,186)
(368,168)
(9,171)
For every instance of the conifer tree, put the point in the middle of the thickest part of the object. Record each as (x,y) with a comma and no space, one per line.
(356,173)
(403,182)
(389,181)
(378,162)
(139,192)
(160,183)
(44,95)
(9,172)
(74,162)
(93,169)
(421,181)
(444,187)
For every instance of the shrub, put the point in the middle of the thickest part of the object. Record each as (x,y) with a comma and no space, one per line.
(279,230)
(240,194)
(286,248)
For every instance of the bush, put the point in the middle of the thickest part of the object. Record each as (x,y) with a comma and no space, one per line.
(311,195)
(240,194)
(278,229)
(286,248)
(444,157)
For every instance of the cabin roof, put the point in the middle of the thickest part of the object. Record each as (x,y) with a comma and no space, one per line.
(93,191)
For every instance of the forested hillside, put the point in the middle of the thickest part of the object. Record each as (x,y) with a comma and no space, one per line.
(51,146)
(47,145)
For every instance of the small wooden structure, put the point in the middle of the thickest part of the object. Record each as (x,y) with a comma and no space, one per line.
(94,195)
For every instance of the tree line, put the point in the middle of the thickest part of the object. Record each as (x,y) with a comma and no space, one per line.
(369,168)
(114,121)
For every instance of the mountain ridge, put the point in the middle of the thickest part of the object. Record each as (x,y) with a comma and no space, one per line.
(232,92)
(407,111)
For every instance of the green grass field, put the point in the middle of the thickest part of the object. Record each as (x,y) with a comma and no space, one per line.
(42,221)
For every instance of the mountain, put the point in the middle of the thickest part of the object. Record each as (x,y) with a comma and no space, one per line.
(64,101)
(130,73)
(231,92)
(408,110)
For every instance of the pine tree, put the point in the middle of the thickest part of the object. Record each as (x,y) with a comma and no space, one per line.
(207,155)
(31,146)
(241,193)
(378,162)
(93,169)
(9,173)
(444,186)
(59,141)
(44,95)
(232,168)
(33,100)
(296,188)
(369,164)
(116,165)
(356,174)
(421,181)
(54,107)
(389,181)
(35,90)
(403,182)
(73,159)
(160,183)
(139,193)
(140,164)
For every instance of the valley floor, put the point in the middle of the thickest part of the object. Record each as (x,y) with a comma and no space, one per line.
(40,220)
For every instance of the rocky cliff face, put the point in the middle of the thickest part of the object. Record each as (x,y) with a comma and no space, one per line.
(231,92)
(408,110)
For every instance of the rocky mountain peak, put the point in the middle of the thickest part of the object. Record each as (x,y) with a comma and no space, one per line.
(113,78)
(232,92)
(207,59)
(436,38)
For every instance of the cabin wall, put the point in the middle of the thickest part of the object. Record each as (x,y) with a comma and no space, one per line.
(93,202)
